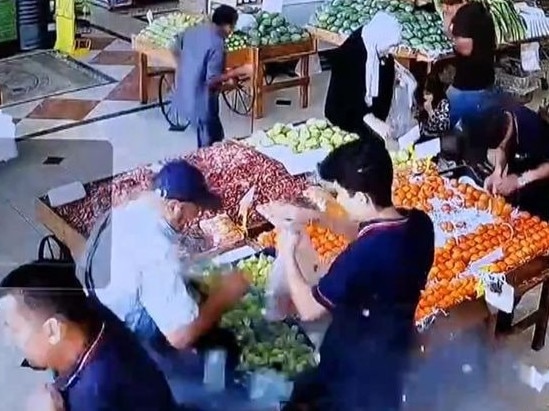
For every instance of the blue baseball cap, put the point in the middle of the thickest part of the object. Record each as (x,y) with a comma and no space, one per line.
(181,181)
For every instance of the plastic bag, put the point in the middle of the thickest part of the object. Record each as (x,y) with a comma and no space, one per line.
(290,217)
(401,117)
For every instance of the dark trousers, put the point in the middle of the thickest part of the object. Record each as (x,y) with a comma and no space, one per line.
(209,130)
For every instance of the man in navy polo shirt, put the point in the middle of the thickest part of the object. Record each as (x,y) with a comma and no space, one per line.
(98,363)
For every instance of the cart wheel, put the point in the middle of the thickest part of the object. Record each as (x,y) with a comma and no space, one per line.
(240,99)
(165,90)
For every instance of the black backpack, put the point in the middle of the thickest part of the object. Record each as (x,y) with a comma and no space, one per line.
(51,248)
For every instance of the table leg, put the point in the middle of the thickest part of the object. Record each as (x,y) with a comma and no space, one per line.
(538,341)
(504,322)
(143,78)
(258,86)
(305,87)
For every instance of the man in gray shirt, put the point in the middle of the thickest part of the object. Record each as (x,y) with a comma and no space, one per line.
(201,72)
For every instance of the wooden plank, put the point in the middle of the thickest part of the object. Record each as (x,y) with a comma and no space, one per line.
(287,51)
(326,36)
(60,228)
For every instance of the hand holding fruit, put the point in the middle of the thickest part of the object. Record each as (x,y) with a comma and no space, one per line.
(492,182)
(508,185)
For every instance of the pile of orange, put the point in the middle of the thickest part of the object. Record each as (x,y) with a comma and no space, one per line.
(450,281)
(327,244)
(444,294)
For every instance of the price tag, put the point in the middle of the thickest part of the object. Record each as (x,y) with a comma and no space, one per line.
(427,149)
(503,299)
(409,138)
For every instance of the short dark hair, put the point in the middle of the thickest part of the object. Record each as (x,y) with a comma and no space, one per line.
(225,16)
(364,166)
(49,288)
(490,127)
(434,86)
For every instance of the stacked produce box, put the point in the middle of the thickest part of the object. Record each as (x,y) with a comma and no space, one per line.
(422,31)
(269,29)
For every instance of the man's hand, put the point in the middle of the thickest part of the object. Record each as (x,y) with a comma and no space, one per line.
(492,182)
(46,398)
(508,185)
(288,241)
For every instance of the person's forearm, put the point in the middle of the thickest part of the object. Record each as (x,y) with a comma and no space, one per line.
(230,290)
(500,162)
(537,174)
(300,291)
(216,82)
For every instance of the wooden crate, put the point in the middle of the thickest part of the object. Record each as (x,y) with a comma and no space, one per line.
(288,51)
(327,36)
(59,227)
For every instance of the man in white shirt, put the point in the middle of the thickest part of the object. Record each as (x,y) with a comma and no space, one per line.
(133,265)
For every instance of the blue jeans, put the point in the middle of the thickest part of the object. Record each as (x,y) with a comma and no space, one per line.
(468,104)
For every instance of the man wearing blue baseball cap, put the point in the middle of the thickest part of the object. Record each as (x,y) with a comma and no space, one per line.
(136,263)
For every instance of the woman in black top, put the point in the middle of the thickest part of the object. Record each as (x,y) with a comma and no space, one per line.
(355,91)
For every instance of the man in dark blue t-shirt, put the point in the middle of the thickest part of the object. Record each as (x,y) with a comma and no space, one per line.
(98,364)
(371,289)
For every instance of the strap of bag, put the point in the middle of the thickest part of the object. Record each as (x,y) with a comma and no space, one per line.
(46,243)
(85,267)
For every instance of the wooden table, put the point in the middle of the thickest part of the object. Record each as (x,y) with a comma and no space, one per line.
(282,53)
(257,57)
(403,56)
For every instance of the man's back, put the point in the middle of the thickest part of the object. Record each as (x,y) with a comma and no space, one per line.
(201,59)
(116,374)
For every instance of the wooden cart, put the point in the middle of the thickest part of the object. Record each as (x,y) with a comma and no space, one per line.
(241,102)
(257,57)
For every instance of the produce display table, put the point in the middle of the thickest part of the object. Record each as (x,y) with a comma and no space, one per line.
(404,57)
(257,57)
(470,225)
(282,53)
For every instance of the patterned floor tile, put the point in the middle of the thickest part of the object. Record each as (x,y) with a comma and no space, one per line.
(63,109)
(100,43)
(128,89)
(116,72)
(110,107)
(118,45)
(21,110)
(120,57)
(28,126)
(92,93)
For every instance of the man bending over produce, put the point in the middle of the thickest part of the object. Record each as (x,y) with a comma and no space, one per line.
(200,52)
(471,27)
(134,265)
(517,146)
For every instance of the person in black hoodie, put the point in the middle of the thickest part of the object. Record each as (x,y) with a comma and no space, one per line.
(363,76)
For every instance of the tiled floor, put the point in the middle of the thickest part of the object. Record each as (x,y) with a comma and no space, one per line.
(109,55)
(100,148)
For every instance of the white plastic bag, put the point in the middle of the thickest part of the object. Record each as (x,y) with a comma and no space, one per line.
(286,217)
(401,118)
(314,65)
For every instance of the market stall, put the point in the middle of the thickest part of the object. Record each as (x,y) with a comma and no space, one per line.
(423,37)
(480,240)
(271,40)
